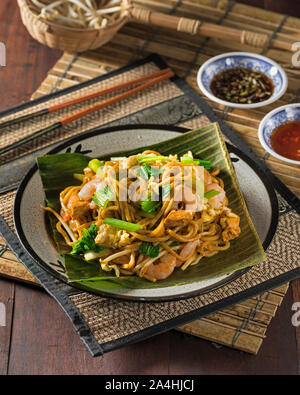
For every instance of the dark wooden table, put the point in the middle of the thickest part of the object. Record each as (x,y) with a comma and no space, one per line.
(39,339)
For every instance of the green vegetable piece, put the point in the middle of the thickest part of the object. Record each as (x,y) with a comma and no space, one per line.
(100,172)
(78,177)
(103,197)
(122,224)
(146,171)
(146,215)
(151,158)
(174,244)
(150,206)
(94,164)
(165,191)
(92,255)
(149,249)
(155,172)
(78,248)
(197,185)
(199,162)
(211,194)
(87,242)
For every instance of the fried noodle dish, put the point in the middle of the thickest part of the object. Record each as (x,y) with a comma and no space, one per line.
(147,214)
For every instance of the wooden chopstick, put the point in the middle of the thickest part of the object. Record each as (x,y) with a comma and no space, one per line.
(83,98)
(86,111)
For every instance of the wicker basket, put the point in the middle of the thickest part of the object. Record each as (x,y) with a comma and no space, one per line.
(67,38)
(79,40)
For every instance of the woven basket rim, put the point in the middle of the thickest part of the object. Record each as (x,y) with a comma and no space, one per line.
(123,17)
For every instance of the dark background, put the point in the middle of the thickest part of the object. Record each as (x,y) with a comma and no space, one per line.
(290,7)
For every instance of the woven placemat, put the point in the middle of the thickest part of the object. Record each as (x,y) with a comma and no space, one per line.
(242,326)
(105,324)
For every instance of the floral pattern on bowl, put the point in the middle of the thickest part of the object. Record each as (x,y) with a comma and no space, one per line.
(242,59)
(275,118)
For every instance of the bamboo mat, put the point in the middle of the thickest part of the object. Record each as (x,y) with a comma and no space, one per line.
(242,326)
(185,54)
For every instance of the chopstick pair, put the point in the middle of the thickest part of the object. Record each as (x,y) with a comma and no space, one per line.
(153,78)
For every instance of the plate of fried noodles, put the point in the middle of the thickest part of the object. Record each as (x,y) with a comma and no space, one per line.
(148,213)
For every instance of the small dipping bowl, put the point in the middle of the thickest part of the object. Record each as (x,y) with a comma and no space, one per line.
(247,60)
(274,119)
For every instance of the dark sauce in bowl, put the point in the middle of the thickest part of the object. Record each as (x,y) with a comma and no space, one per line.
(285,140)
(242,85)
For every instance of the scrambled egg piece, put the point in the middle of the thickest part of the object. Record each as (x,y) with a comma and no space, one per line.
(109,236)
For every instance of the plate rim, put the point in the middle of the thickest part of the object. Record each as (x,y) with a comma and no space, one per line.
(169,128)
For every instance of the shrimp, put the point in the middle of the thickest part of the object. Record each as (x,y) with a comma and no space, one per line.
(179,217)
(207,177)
(187,250)
(216,201)
(73,199)
(203,175)
(88,190)
(185,194)
(163,269)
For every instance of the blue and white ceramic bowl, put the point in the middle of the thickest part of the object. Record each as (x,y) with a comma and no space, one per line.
(242,59)
(275,118)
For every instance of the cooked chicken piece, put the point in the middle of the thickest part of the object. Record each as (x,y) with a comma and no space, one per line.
(179,217)
(88,172)
(76,209)
(132,161)
(79,210)
(233,228)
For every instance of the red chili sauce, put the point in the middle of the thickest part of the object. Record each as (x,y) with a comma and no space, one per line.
(285,140)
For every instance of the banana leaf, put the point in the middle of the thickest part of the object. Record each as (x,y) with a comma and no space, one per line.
(57,171)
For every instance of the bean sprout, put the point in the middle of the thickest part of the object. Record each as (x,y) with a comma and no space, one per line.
(78,13)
